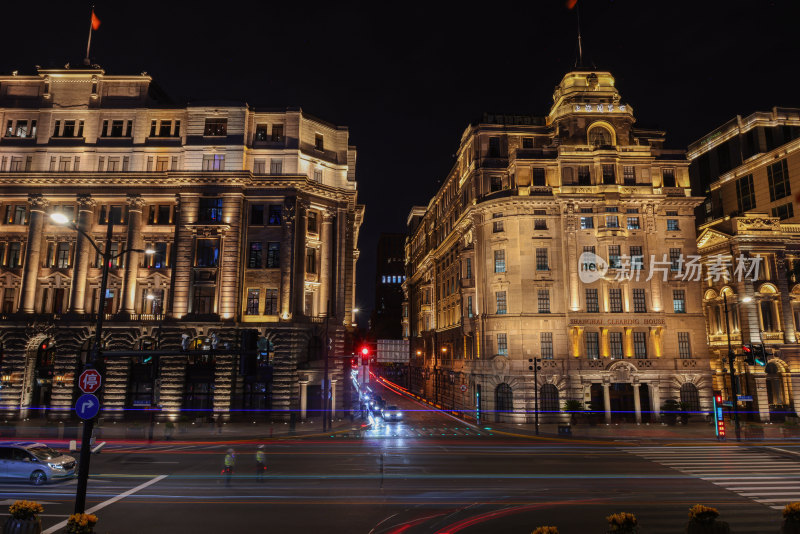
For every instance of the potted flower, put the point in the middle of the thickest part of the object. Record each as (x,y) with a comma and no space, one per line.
(791,518)
(24,518)
(81,523)
(703,520)
(573,408)
(670,411)
(622,523)
(545,530)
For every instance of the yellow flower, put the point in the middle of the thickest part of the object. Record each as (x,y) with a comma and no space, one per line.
(545,530)
(791,509)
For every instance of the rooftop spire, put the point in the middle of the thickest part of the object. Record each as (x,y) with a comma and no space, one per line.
(579,59)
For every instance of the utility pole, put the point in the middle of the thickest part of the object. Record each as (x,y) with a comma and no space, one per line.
(326,382)
(731,363)
(536,393)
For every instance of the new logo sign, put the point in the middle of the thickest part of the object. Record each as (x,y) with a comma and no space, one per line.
(591,267)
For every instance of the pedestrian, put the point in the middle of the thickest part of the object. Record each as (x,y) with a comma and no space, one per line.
(261,463)
(230,463)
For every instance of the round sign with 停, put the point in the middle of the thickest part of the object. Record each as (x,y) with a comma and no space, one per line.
(90,381)
(87,406)
(463,388)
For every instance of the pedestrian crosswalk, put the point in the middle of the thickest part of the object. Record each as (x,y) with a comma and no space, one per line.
(756,473)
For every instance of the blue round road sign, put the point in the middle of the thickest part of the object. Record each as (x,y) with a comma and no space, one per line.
(87,406)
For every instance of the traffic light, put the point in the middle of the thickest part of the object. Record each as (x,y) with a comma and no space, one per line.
(365,354)
(759,355)
(749,355)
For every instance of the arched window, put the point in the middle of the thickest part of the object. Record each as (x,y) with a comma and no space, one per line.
(504,402)
(690,398)
(548,398)
(599,136)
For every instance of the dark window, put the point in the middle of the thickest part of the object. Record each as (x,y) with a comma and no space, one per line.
(273,255)
(274,215)
(690,399)
(668,175)
(540,224)
(592,345)
(633,223)
(468,268)
(319,142)
(541,260)
(271,302)
(549,398)
(629,175)
(502,344)
(62,256)
(745,194)
(499,261)
(216,127)
(152,128)
(546,339)
(494,147)
(261,132)
(675,259)
(538,177)
(207,253)
(160,256)
(165,129)
(311,260)
(117,128)
(679,300)
(778,174)
(608,174)
(614,257)
(277,133)
(203,301)
(544,300)
(615,300)
(527,142)
(69,129)
(164,214)
(584,177)
(257,214)
(640,345)
(672,225)
(496,184)
(592,305)
(767,318)
(500,298)
(784,211)
(252,301)
(587,223)
(497,225)
(615,344)
(312,222)
(254,255)
(14,258)
(210,210)
(684,348)
(599,136)
(639,302)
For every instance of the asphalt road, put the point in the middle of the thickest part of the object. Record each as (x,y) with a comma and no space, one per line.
(430,474)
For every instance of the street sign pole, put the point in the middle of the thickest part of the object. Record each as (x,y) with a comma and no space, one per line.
(88,425)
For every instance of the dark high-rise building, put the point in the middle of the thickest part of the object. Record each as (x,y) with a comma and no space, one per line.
(389,275)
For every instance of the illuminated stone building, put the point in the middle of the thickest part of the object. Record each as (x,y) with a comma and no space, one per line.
(253,217)
(750,168)
(494,272)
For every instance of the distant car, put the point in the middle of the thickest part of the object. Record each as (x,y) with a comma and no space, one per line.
(392,414)
(35,462)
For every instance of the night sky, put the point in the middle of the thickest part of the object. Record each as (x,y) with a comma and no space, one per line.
(408,78)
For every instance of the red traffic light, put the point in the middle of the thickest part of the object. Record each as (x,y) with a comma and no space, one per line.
(718,398)
(365,351)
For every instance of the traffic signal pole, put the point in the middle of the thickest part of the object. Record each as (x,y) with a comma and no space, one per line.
(731,363)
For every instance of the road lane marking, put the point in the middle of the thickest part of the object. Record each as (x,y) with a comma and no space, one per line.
(93,509)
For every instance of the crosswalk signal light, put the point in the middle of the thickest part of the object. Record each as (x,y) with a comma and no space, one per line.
(749,355)
(365,353)
(759,355)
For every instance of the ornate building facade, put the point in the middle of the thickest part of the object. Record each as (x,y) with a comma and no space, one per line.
(252,216)
(751,169)
(540,244)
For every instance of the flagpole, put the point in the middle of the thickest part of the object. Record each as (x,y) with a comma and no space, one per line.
(580,46)
(87,61)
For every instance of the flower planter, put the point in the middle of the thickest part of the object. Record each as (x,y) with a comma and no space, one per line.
(708,527)
(22,526)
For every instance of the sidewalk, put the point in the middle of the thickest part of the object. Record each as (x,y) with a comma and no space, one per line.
(36,430)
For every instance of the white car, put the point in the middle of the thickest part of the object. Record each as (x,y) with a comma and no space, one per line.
(35,462)
(392,414)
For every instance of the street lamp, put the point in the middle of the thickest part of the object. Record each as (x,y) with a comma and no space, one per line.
(94,353)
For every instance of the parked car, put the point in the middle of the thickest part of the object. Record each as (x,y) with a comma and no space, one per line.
(35,462)
(392,414)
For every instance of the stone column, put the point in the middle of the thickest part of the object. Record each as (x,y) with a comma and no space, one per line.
(83,252)
(325,275)
(286,259)
(299,292)
(637,403)
(789,334)
(333,398)
(33,252)
(134,241)
(572,258)
(303,398)
(655,400)
(607,401)
(230,257)
(184,249)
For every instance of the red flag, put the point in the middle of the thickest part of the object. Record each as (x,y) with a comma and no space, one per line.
(571,3)
(95,21)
